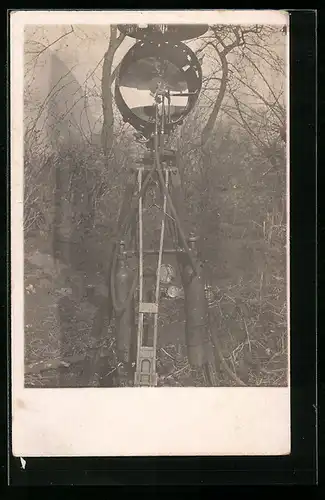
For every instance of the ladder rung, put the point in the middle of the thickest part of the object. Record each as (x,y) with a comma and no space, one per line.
(146,352)
(148,307)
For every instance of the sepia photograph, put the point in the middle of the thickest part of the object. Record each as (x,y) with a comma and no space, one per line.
(154,210)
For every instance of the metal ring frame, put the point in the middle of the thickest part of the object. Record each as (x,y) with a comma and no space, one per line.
(178,54)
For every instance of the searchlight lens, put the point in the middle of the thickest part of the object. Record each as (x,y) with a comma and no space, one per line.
(157,73)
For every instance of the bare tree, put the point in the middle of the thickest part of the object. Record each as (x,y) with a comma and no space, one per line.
(259,99)
(227,49)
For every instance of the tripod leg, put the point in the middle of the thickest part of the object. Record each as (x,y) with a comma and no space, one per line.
(196,306)
(177,195)
(129,190)
(90,373)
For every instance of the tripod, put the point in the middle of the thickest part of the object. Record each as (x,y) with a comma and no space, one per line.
(136,294)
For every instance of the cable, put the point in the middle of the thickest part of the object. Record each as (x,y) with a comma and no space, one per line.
(161,243)
(160,255)
(173,210)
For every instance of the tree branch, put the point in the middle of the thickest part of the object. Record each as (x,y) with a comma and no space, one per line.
(53,43)
(223,84)
(106,84)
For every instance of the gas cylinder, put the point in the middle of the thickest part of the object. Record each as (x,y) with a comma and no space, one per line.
(124,319)
(196,311)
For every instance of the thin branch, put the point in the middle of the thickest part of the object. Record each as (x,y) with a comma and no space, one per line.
(53,43)
(259,95)
(250,130)
(267,84)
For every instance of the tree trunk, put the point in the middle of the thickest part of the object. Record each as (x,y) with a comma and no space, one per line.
(208,128)
(107,97)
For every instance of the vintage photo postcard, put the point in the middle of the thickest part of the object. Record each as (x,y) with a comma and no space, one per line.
(150,241)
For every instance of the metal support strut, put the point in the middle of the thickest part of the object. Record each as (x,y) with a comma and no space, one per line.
(145,374)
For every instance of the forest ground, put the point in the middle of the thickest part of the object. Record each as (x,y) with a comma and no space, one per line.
(257,361)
